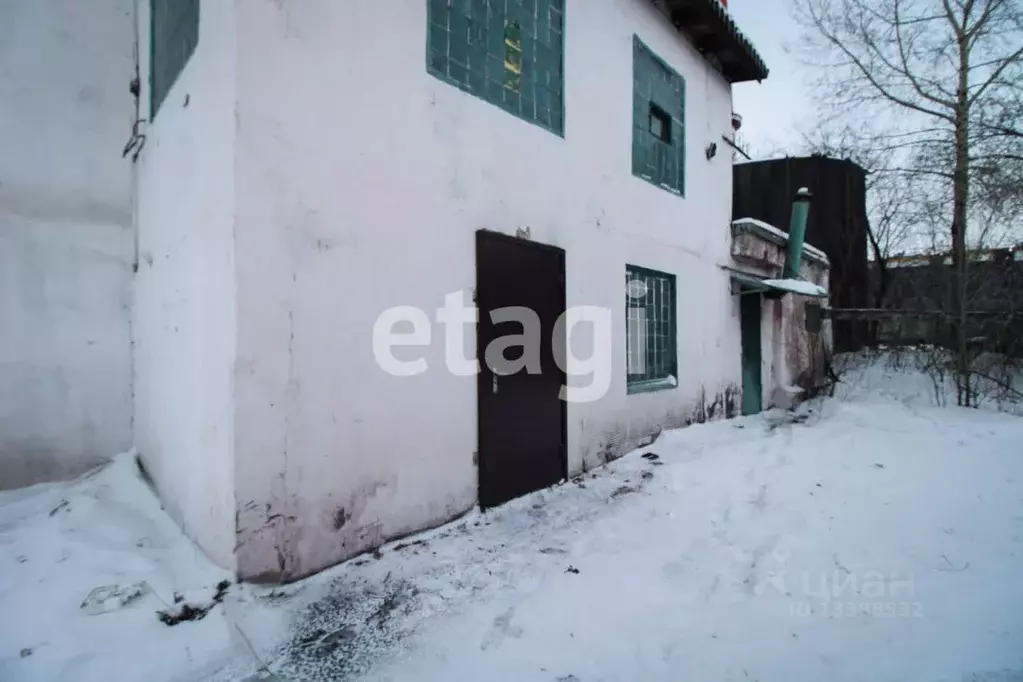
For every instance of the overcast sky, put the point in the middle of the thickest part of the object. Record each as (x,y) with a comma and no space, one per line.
(771,110)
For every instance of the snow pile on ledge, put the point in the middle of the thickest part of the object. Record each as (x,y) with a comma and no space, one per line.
(797,286)
(59,542)
(782,236)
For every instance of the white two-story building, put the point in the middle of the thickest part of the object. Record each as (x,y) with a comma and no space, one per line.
(313,178)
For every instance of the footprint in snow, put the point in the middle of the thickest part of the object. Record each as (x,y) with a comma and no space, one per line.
(501,630)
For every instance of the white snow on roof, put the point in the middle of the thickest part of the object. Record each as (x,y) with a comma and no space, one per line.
(809,249)
(766,227)
(797,286)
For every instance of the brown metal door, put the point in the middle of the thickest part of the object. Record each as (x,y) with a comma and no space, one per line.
(521,415)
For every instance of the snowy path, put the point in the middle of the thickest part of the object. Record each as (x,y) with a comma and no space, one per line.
(874,541)
(749,554)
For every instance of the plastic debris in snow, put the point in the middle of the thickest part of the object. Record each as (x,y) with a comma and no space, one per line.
(112,597)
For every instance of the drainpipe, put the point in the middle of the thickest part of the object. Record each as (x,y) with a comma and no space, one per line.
(797,233)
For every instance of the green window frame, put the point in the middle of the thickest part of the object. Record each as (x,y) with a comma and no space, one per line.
(651,334)
(659,114)
(173,37)
(509,53)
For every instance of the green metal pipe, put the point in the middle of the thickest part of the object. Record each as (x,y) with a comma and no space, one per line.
(797,233)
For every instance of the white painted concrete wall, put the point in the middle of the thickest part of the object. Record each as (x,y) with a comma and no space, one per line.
(794,353)
(65,236)
(360,181)
(184,320)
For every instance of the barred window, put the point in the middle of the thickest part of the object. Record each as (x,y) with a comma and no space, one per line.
(507,52)
(658,125)
(650,338)
(174,34)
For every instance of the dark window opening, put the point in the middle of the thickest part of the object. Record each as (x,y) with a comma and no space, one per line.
(660,124)
(174,34)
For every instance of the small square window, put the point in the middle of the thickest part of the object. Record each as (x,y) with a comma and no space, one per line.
(660,124)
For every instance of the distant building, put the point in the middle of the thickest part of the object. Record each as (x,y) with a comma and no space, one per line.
(922,283)
(838,222)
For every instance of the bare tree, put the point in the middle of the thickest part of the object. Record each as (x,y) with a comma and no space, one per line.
(933,88)
(890,217)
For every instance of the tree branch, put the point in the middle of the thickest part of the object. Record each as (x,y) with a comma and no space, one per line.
(1002,130)
(950,15)
(998,72)
(900,42)
(918,171)
(869,76)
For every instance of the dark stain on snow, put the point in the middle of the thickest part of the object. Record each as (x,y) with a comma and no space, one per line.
(410,545)
(63,505)
(342,635)
(186,611)
(622,490)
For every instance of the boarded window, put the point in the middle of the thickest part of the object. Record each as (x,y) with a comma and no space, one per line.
(650,331)
(174,34)
(508,53)
(658,129)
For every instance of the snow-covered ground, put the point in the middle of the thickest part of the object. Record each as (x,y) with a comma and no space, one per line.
(923,376)
(870,536)
(60,541)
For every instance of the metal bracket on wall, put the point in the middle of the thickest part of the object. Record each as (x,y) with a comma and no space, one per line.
(731,143)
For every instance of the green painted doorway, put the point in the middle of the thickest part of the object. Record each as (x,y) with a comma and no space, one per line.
(749,323)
